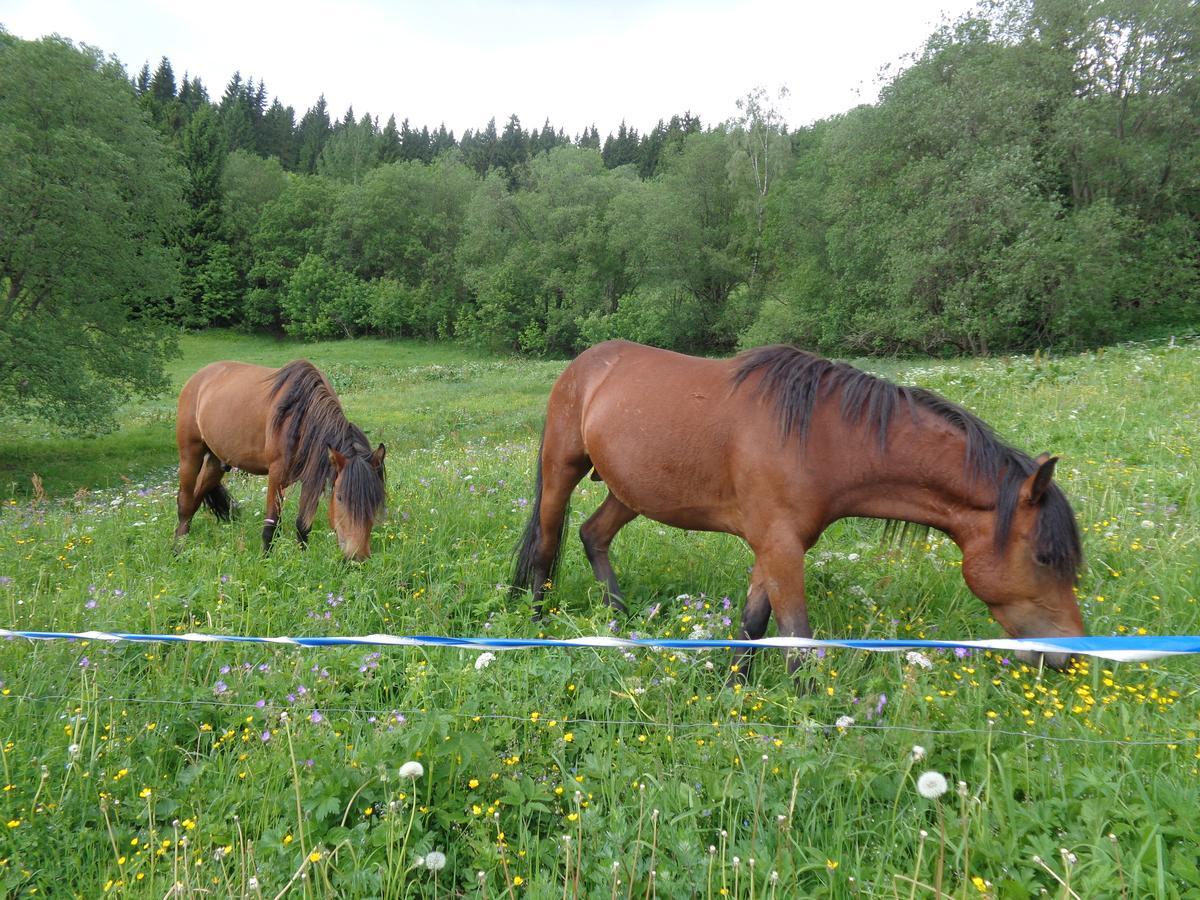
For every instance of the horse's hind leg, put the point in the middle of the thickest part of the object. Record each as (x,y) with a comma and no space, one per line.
(191,458)
(755,616)
(209,480)
(559,478)
(597,534)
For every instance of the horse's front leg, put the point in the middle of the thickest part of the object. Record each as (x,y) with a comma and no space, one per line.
(755,615)
(307,511)
(274,505)
(782,568)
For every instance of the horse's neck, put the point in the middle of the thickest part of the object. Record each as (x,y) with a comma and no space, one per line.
(921,477)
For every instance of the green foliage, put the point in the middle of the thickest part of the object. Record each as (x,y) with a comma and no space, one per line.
(90,199)
(290,227)
(322,301)
(403,223)
(1000,194)
(351,151)
(220,286)
(1029,178)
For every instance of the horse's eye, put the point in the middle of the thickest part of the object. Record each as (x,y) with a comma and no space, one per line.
(1042,559)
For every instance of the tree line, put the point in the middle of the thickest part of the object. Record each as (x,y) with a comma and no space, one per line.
(1028,178)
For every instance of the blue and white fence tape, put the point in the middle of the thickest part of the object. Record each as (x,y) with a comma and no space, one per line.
(1119,648)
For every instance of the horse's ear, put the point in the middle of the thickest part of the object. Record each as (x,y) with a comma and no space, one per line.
(378,455)
(1033,491)
(337,459)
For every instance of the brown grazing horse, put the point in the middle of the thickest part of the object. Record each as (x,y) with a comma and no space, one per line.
(286,424)
(773,446)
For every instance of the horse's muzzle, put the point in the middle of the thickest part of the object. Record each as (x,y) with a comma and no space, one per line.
(1058,661)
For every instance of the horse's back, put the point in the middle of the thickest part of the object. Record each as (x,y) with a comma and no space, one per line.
(226,405)
(659,427)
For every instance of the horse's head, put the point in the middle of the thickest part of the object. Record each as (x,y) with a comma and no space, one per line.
(1025,568)
(356,499)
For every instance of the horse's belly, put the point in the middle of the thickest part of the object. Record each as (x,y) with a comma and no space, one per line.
(233,434)
(679,488)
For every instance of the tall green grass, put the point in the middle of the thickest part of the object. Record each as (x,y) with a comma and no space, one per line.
(250,770)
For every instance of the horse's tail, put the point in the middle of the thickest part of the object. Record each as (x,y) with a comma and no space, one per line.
(527,550)
(220,503)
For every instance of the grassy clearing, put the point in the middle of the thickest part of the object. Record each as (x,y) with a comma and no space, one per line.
(241,771)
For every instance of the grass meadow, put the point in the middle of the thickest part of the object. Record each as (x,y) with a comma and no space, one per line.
(259,771)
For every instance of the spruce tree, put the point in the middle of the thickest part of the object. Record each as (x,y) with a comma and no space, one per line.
(204,158)
(314,130)
(279,134)
(141,83)
(389,146)
(236,122)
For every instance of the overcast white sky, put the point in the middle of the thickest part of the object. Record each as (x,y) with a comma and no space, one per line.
(465,61)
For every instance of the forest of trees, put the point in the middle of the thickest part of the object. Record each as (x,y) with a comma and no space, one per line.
(1030,178)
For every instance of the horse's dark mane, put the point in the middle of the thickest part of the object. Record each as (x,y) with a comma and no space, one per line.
(309,420)
(796,381)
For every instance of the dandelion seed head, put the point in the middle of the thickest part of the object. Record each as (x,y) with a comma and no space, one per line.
(412,769)
(931,785)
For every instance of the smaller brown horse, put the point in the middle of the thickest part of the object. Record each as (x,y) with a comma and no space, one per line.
(775,445)
(286,424)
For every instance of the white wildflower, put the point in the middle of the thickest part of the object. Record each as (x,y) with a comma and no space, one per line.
(844,721)
(931,785)
(918,753)
(484,660)
(917,658)
(412,769)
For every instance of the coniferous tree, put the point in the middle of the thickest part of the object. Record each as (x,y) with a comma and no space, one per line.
(589,139)
(651,149)
(236,121)
(279,134)
(441,141)
(314,130)
(204,158)
(512,150)
(389,146)
(141,83)
(162,85)
(160,99)
(479,149)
